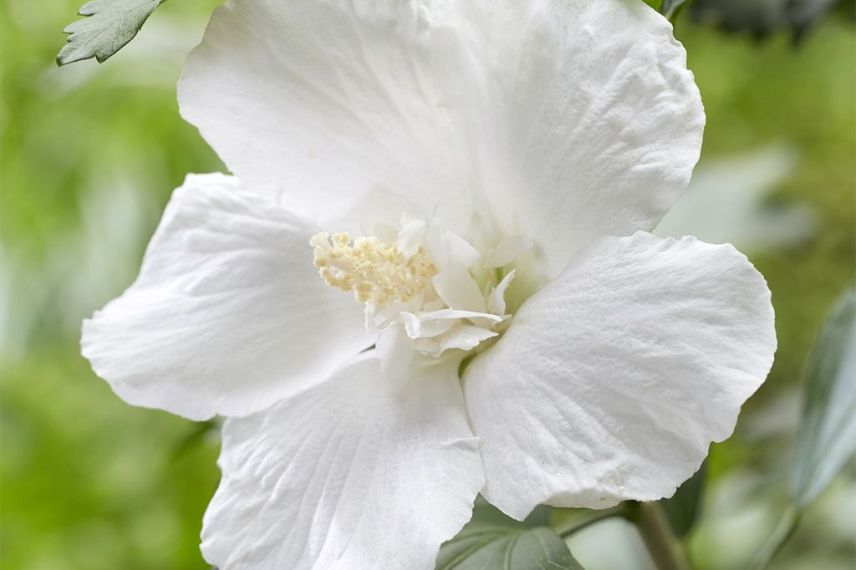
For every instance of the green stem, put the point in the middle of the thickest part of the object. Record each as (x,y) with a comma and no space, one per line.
(783,531)
(657,535)
(584,521)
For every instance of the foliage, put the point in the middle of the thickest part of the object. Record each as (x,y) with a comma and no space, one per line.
(493,541)
(671,8)
(760,18)
(827,435)
(107,27)
(684,508)
(507,549)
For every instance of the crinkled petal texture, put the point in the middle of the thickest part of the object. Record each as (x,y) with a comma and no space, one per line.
(613,380)
(228,314)
(340,101)
(569,119)
(594,114)
(363,471)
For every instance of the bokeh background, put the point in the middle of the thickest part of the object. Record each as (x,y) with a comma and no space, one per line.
(90,154)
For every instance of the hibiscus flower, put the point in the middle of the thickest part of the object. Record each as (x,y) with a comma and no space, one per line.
(430,276)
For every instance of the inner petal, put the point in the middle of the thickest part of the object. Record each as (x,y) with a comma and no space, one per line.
(438,289)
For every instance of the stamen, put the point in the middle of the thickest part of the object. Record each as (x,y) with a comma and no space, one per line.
(376,271)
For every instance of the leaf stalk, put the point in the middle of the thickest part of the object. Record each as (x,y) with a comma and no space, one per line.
(783,531)
(656,533)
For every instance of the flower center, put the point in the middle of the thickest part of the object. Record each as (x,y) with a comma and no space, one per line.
(426,283)
(376,271)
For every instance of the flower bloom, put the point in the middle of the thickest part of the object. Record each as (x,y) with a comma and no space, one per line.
(431,277)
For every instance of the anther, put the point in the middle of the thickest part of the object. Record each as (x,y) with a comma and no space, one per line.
(376,271)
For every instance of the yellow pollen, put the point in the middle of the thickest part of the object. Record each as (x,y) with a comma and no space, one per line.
(374,270)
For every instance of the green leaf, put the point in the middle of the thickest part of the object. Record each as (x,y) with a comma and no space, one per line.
(827,435)
(108,26)
(774,544)
(494,541)
(505,548)
(197,434)
(670,8)
(486,515)
(684,507)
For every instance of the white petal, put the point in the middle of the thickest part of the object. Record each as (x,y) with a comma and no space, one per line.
(342,102)
(396,352)
(613,380)
(566,120)
(228,314)
(601,122)
(410,238)
(358,473)
(496,301)
(417,327)
(464,337)
(461,250)
(508,251)
(455,285)
(446,314)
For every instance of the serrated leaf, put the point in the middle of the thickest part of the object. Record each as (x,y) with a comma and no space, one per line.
(684,507)
(107,26)
(827,435)
(504,548)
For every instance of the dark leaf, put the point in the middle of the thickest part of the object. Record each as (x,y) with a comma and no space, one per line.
(760,18)
(485,514)
(494,541)
(506,548)
(684,507)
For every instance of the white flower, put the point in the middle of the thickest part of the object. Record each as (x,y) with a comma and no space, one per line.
(471,162)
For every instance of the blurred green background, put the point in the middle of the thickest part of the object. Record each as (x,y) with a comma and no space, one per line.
(90,154)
